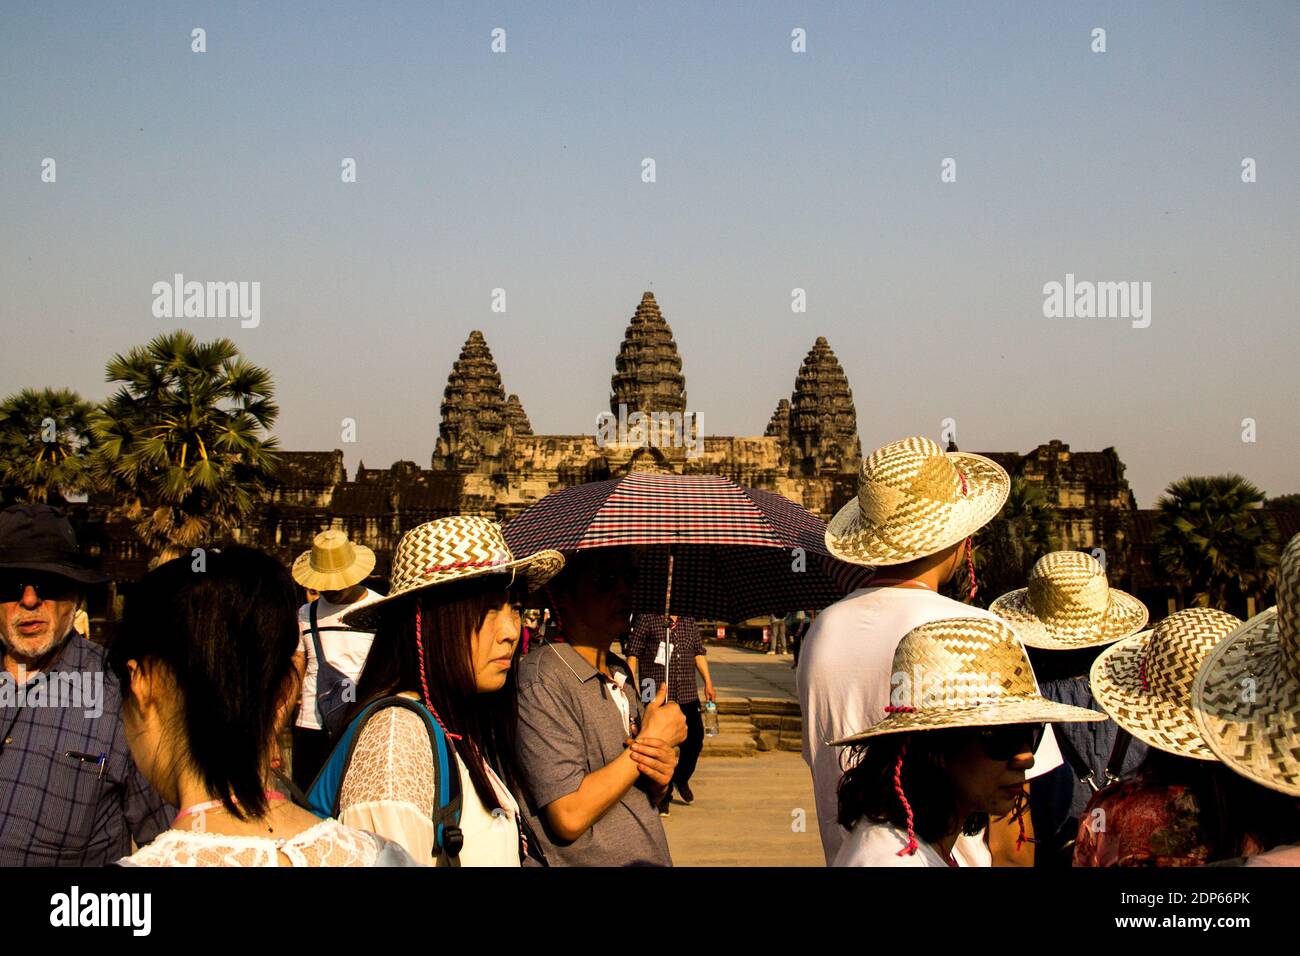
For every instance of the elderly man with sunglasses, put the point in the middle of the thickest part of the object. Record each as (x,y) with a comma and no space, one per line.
(70,794)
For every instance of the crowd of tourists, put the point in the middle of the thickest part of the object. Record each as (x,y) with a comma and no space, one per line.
(476,714)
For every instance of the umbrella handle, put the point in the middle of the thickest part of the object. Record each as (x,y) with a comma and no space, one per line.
(668,639)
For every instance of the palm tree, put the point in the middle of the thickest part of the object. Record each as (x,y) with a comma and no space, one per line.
(1007,547)
(44,439)
(183,440)
(1211,542)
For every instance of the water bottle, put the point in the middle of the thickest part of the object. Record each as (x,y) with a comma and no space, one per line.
(710,719)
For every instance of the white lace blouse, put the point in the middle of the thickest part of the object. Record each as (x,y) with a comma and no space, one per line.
(328,843)
(389,790)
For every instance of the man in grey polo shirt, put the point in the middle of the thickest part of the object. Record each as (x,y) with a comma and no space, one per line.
(594,761)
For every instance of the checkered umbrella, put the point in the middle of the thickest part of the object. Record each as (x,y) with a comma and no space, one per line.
(717,549)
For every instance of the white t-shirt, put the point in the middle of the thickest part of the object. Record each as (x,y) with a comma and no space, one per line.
(877,844)
(345,648)
(844,682)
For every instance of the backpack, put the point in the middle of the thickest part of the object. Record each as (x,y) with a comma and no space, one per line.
(334,689)
(322,798)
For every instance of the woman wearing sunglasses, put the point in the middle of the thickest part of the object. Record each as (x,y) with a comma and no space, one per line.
(952,750)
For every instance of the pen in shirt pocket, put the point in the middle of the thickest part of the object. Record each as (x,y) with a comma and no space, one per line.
(100,761)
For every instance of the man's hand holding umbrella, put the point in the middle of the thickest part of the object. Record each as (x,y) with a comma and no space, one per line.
(662,728)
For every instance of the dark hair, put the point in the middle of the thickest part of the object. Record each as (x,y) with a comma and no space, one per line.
(226,635)
(449,616)
(1231,808)
(868,789)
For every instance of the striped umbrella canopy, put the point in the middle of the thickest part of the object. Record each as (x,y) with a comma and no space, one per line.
(730,552)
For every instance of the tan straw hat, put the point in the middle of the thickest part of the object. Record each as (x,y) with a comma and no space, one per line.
(1145,681)
(453,549)
(1247,695)
(915,500)
(333,563)
(965,672)
(1069,604)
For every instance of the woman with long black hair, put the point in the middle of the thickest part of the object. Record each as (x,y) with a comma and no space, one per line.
(442,665)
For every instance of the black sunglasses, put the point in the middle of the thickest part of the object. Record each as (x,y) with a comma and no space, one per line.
(48,587)
(1011,740)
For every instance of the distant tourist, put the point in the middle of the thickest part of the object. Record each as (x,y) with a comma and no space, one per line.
(72,796)
(797,625)
(330,655)
(207,662)
(1066,617)
(915,512)
(435,714)
(596,761)
(946,757)
(776,634)
(651,640)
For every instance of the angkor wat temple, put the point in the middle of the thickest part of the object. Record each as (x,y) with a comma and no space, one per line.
(486,460)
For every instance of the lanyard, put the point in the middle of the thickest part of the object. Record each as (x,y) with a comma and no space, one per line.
(912,583)
(198,808)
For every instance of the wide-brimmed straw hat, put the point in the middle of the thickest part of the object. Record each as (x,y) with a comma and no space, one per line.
(453,549)
(914,500)
(1069,604)
(975,673)
(1145,681)
(1247,694)
(333,563)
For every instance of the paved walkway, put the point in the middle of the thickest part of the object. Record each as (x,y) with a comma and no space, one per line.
(738,672)
(748,811)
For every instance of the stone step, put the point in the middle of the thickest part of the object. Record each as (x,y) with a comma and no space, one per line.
(729,745)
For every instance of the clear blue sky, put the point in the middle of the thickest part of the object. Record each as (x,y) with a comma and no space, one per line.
(775,170)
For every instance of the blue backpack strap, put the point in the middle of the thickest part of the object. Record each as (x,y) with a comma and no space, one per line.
(326,790)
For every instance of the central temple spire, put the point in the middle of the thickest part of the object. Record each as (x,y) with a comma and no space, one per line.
(648,371)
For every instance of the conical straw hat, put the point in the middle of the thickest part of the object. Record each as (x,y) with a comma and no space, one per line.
(965,672)
(1069,604)
(1247,695)
(453,549)
(1145,681)
(915,500)
(333,563)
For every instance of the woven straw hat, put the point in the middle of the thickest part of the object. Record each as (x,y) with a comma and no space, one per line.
(915,500)
(333,563)
(453,549)
(972,672)
(1069,604)
(1145,681)
(1247,695)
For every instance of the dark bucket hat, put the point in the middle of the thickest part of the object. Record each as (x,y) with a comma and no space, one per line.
(39,538)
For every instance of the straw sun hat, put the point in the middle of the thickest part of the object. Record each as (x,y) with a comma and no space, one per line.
(1069,604)
(974,672)
(333,563)
(453,549)
(1145,681)
(914,500)
(1246,697)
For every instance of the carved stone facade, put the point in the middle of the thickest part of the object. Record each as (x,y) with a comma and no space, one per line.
(486,460)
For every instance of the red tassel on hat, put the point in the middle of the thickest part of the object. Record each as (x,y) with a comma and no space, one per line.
(424,678)
(912,845)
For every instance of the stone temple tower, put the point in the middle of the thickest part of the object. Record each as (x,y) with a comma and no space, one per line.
(823,424)
(648,371)
(475,414)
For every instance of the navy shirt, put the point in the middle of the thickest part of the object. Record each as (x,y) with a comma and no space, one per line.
(60,810)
